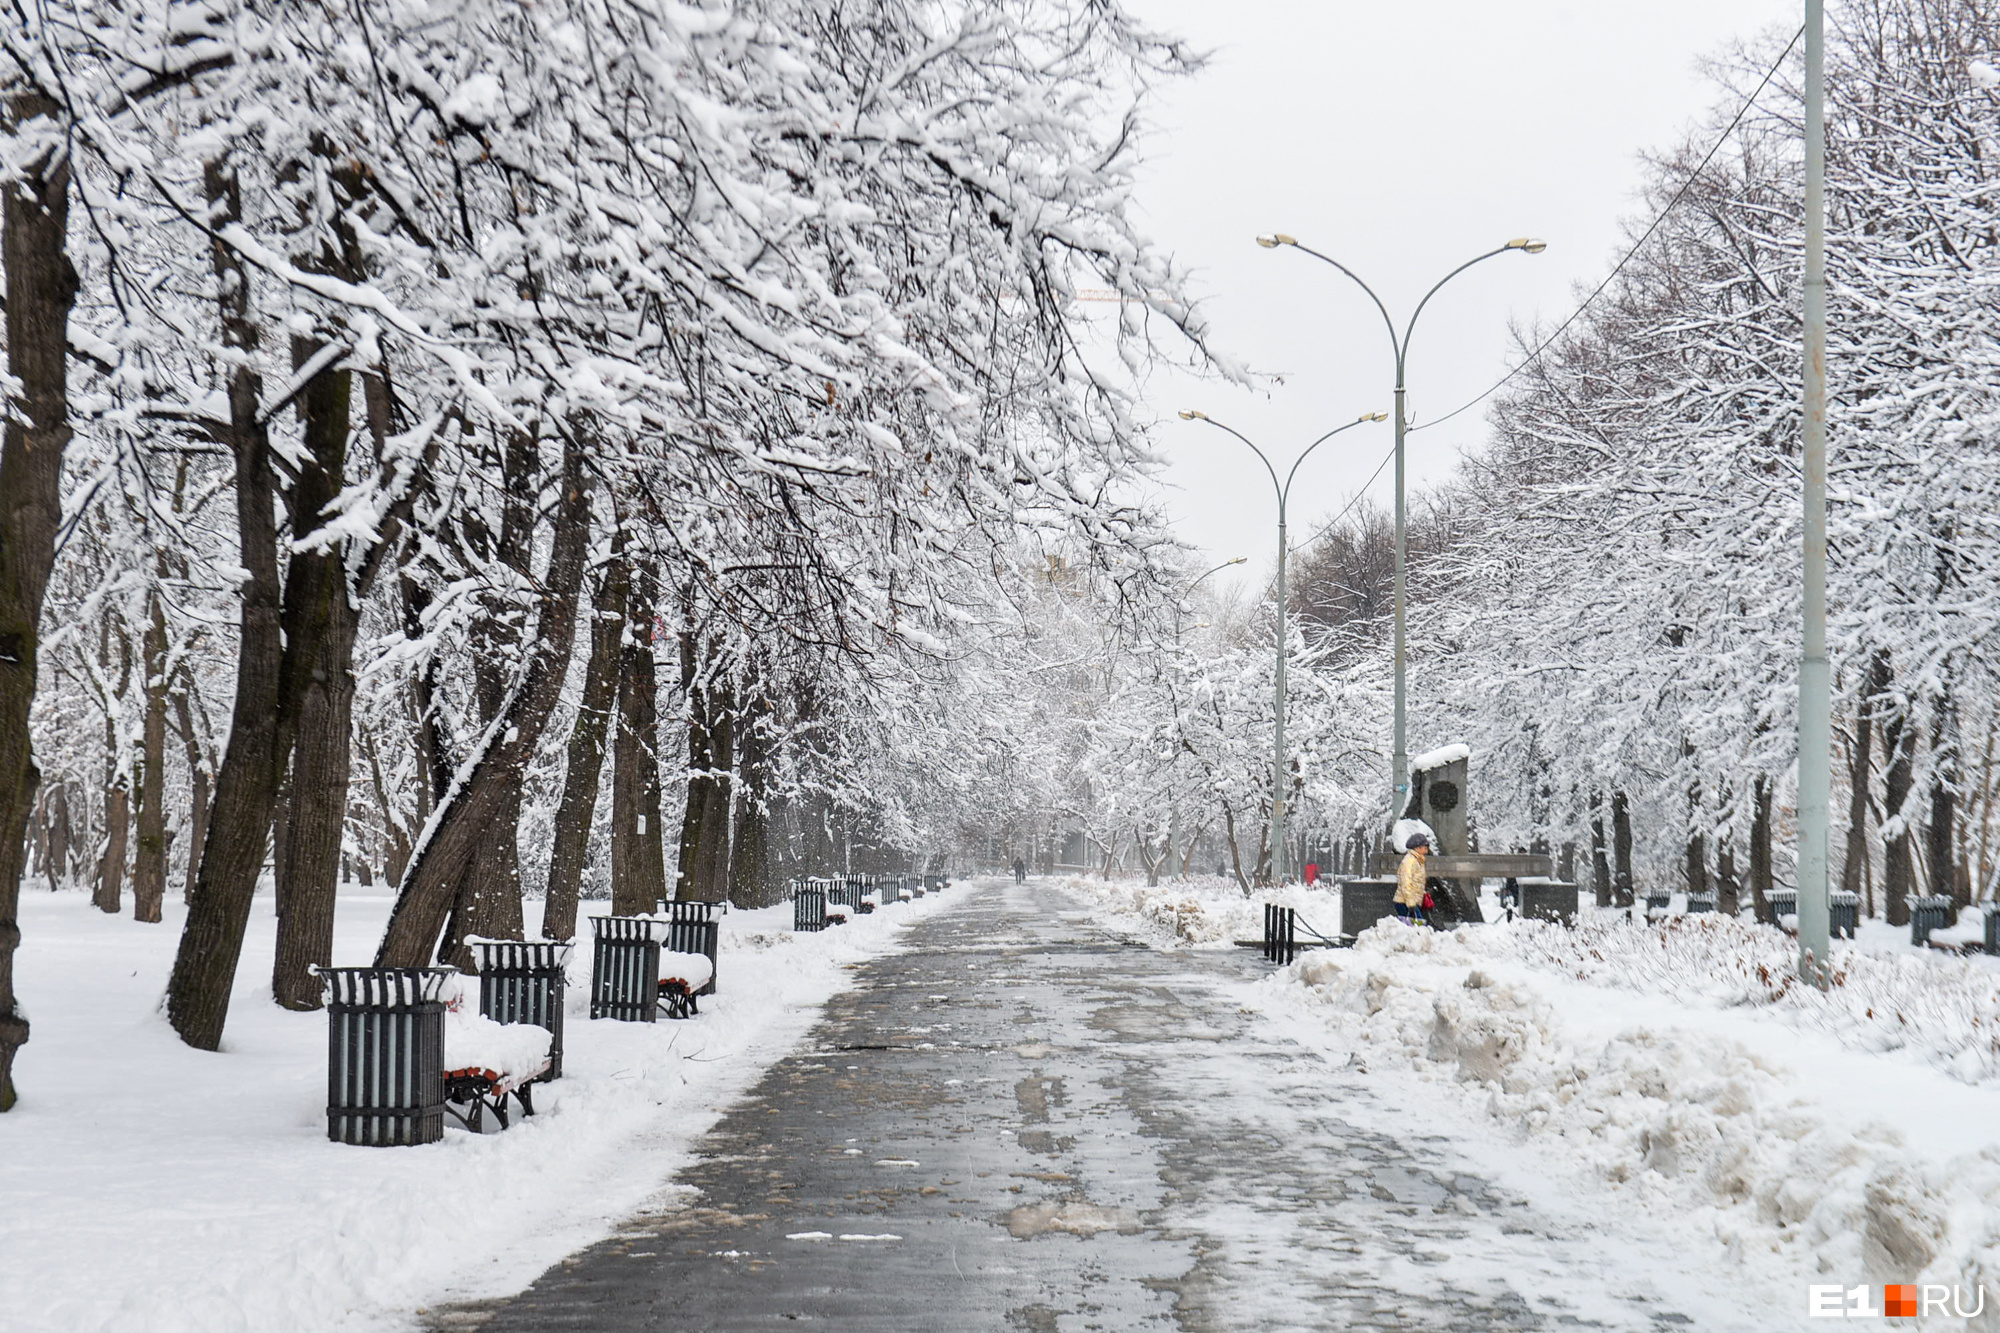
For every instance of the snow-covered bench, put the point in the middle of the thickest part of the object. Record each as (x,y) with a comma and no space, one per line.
(637,973)
(682,977)
(486,1062)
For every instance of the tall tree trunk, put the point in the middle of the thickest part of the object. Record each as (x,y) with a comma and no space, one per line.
(585,760)
(1621,850)
(480,792)
(1760,848)
(1940,838)
(1898,877)
(321,621)
(1727,902)
(198,781)
(149,860)
(705,826)
(1600,858)
(638,855)
(488,902)
(61,836)
(41,287)
(109,894)
(246,787)
(1860,764)
(750,884)
(1697,844)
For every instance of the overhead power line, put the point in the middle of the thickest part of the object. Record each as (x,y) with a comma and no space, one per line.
(1637,245)
(1596,292)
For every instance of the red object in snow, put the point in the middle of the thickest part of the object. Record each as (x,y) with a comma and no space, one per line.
(1312,873)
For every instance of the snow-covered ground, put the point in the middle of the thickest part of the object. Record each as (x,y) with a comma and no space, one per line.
(151,1188)
(1674,1067)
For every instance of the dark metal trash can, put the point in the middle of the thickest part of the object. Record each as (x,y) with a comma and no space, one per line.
(808,905)
(1549,901)
(523,982)
(1659,902)
(1700,902)
(1992,913)
(385,1054)
(1363,902)
(1843,914)
(625,968)
(1926,915)
(1781,903)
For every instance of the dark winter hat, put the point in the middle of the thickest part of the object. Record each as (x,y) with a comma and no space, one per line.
(1417,840)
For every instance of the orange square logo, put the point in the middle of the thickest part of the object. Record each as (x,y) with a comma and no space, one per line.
(1899,1301)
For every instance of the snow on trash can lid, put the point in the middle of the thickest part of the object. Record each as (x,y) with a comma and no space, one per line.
(692,970)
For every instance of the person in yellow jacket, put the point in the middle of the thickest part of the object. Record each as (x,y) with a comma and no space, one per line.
(1412,892)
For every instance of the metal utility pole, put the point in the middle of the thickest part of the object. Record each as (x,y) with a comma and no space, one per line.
(1284,490)
(1815,691)
(1399,343)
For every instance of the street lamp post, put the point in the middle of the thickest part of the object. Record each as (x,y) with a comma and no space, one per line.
(1284,490)
(1400,344)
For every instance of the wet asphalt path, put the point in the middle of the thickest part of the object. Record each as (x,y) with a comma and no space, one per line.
(1024,1122)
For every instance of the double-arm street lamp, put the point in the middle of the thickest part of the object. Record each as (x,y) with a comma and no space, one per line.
(1399,342)
(1284,490)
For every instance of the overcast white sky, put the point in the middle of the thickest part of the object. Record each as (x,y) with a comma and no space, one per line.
(1402,137)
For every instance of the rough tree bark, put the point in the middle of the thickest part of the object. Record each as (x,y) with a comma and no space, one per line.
(246,787)
(465,820)
(1940,840)
(488,902)
(585,761)
(109,893)
(41,288)
(1621,850)
(704,854)
(1600,860)
(1860,763)
(1898,877)
(149,848)
(1760,848)
(750,883)
(638,855)
(321,621)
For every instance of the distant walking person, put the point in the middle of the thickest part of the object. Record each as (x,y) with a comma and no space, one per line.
(1411,895)
(1020,871)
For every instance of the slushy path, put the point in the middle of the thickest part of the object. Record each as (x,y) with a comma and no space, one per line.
(1027,1122)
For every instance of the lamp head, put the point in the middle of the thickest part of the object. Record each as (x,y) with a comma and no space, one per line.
(1527,243)
(1376,416)
(1274,240)
(1239,559)
(1190,414)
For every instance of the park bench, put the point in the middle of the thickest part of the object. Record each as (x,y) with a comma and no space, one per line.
(634,979)
(522,981)
(486,1062)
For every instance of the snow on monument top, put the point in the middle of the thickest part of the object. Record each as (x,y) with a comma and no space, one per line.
(1438,758)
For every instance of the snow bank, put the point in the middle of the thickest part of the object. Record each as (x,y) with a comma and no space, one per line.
(151,1188)
(1205,912)
(1823,1163)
